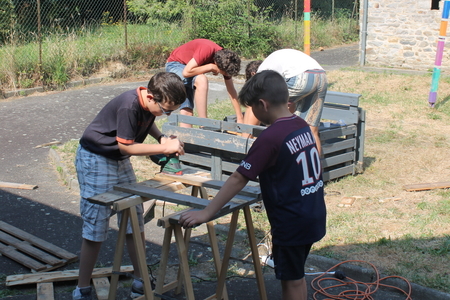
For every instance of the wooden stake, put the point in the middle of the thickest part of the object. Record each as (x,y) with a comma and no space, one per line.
(17,185)
(426,186)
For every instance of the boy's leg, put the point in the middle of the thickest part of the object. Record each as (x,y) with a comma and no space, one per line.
(201,95)
(294,289)
(249,117)
(290,269)
(88,258)
(187,108)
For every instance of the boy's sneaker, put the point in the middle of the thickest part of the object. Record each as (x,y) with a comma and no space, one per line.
(82,293)
(136,291)
(137,288)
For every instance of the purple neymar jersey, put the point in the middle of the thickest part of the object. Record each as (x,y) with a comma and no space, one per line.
(287,162)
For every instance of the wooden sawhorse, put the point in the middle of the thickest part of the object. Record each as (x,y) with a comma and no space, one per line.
(125,197)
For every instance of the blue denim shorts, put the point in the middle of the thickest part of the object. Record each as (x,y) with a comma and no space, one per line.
(96,175)
(177,68)
(308,91)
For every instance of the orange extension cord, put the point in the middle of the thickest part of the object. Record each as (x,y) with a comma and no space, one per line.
(354,290)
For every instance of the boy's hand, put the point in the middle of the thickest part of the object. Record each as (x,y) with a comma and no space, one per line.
(173,145)
(191,218)
(214,69)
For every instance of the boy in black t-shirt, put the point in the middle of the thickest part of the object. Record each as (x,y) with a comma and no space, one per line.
(286,159)
(103,160)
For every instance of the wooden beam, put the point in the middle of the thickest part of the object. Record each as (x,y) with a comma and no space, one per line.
(426,186)
(45,291)
(34,278)
(17,185)
(152,193)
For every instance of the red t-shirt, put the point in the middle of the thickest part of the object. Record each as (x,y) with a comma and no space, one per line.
(202,50)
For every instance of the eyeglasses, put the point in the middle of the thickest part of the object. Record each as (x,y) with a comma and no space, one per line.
(166,112)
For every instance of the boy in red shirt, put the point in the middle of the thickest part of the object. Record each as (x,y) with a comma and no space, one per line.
(191,61)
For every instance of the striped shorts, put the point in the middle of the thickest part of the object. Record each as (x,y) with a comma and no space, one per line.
(96,175)
(308,91)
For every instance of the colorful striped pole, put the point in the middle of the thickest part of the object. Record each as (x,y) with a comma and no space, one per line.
(307,26)
(439,54)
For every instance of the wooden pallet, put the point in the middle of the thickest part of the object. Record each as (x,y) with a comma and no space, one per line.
(31,251)
(44,281)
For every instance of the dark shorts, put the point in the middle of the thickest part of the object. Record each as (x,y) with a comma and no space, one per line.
(290,261)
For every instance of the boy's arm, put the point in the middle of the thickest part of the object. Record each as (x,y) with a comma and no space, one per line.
(234,99)
(234,184)
(192,68)
(167,146)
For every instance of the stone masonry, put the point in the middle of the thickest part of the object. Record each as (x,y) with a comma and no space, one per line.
(404,34)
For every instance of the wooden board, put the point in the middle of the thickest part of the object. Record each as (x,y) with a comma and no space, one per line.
(250,191)
(426,186)
(45,291)
(31,251)
(17,185)
(108,198)
(101,287)
(55,276)
(152,193)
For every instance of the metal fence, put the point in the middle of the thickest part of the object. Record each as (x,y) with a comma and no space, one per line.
(34,33)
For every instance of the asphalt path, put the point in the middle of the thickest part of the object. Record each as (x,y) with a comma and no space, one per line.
(51,212)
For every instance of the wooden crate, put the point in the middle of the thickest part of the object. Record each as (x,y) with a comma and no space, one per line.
(217,146)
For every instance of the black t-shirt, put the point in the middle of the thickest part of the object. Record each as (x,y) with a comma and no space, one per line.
(286,159)
(125,119)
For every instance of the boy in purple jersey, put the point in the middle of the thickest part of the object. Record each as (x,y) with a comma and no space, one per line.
(103,160)
(286,159)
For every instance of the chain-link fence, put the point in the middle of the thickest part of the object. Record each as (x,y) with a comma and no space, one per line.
(49,42)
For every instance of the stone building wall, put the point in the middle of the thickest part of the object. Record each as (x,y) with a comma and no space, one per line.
(404,34)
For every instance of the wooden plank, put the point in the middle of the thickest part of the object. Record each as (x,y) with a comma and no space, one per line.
(45,291)
(350,116)
(337,173)
(338,159)
(342,98)
(28,249)
(13,254)
(338,146)
(44,245)
(34,278)
(108,198)
(211,139)
(250,191)
(162,195)
(17,185)
(164,221)
(101,286)
(426,186)
(335,132)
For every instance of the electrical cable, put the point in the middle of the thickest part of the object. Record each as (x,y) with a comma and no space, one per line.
(354,292)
